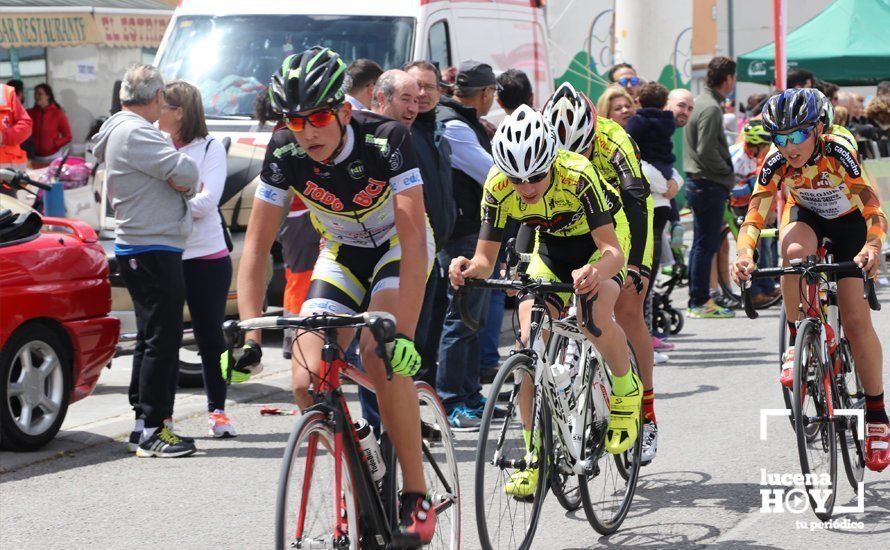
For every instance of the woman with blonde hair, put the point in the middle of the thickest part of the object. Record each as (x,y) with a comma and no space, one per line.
(206,263)
(617,104)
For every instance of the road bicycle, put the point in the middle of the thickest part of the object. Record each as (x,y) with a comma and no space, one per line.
(729,235)
(827,395)
(568,427)
(338,487)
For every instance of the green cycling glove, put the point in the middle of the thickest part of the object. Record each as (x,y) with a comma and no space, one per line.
(405,360)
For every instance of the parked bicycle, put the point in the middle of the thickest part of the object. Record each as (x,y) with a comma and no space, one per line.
(827,393)
(338,486)
(569,417)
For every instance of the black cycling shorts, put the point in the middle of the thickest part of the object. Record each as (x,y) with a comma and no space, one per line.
(846,233)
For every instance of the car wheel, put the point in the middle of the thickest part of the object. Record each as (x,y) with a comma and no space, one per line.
(191,373)
(34,389)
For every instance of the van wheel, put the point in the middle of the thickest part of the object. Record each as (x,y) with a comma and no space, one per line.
(35,387)
(191,373)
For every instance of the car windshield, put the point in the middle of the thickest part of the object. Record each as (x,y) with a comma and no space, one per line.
(231,58)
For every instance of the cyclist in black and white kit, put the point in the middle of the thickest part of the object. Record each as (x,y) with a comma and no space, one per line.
(357,174)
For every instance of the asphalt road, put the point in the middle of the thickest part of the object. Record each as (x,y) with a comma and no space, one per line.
(704,487)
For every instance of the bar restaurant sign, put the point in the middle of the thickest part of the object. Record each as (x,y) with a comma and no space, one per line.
(47,30)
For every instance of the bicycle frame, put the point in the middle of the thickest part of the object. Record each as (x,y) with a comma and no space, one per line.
(544,383)
(331,401)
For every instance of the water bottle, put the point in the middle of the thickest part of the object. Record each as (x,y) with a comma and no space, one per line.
(572,357)
(562,382)
(370,449)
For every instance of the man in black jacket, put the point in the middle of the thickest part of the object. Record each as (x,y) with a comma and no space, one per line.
(457,379)
(434,158)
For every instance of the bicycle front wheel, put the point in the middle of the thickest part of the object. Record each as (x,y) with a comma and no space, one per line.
(310,513)
(608,490)
(439,469)
(511,466)
(815,431)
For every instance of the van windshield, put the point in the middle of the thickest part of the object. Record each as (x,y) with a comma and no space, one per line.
(231,58)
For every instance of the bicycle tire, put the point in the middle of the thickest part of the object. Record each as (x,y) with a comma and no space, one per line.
(524,365)
(678,319)
(725,279)
(565,487)
(440,468)
(809,376)
(627,464)
(849,388)
(313,423)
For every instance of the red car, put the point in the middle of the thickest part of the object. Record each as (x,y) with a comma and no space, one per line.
(55,331)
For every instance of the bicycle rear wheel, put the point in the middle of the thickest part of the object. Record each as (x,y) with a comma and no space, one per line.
(816,438)
(307,499)
(608,491)
(850,396)
(563,480)
(510,520)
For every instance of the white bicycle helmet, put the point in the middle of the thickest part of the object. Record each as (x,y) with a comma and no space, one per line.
(524,145)
(573,118)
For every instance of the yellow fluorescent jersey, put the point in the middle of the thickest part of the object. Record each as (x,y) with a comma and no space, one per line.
(574,204)
(616,159)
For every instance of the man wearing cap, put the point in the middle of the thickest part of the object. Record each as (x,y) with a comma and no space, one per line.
(457,379)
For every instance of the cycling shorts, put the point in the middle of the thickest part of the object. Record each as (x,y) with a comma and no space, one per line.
(555,258)
(847,233)
(346,277)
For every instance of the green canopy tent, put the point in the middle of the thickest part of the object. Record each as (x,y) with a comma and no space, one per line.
(848,44)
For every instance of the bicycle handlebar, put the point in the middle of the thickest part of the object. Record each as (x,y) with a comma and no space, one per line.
(539,287)
(810,265)
(15,178)
(381,324)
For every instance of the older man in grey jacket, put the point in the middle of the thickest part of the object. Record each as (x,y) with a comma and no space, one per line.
(149,184)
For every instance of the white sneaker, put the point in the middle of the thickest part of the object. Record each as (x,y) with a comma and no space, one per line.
(650,442)
(660,358)
(220,425)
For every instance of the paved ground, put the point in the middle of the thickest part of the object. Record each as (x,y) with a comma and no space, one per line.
(85,490)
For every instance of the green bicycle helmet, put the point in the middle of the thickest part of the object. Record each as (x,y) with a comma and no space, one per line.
(755,134)
(308,80)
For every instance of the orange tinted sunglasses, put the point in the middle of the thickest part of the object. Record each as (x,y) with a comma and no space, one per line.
(318,119)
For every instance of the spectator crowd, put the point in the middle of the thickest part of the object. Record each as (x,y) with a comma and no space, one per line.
(166,174)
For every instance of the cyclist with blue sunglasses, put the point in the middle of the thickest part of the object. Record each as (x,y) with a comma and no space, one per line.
(827,196)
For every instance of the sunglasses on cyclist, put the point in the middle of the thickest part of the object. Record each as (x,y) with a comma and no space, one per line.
(794,138)
(318,119)
(531,179)
(632,81)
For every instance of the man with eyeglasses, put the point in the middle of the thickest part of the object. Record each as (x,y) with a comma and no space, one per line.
(457,379)
(625,76)
(827,196)
(356,171)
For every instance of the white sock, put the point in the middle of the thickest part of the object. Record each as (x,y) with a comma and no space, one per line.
(147,432)
(140,425)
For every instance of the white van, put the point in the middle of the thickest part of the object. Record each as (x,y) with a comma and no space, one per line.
(230,50)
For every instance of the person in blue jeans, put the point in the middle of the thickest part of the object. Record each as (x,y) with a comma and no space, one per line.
(710,177)
(457,380)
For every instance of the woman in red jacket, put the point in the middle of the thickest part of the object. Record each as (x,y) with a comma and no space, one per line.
(51,129)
